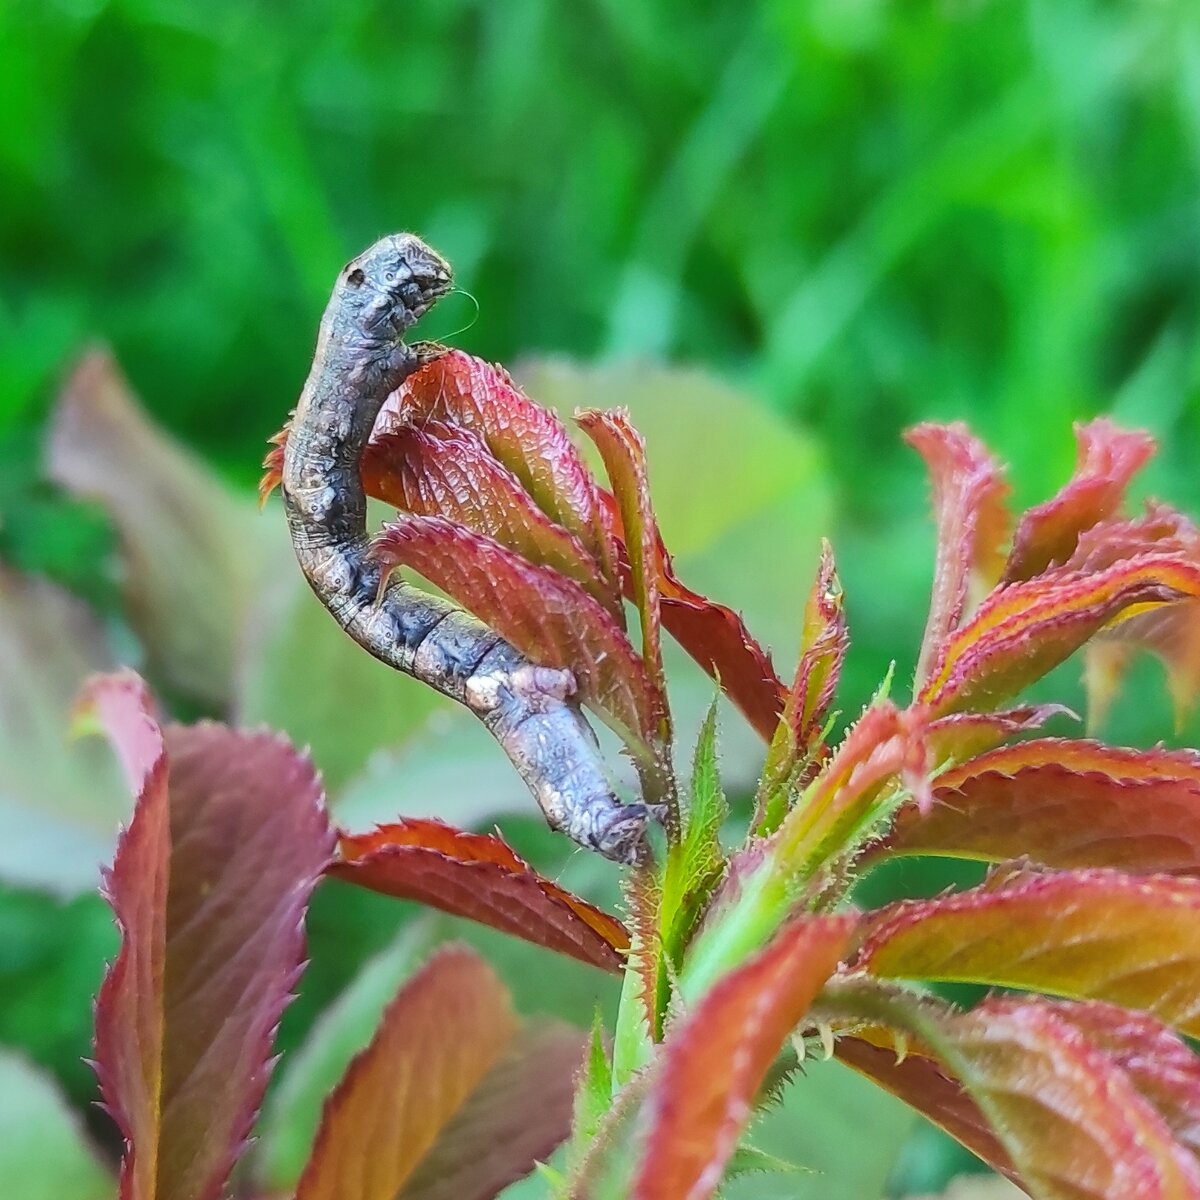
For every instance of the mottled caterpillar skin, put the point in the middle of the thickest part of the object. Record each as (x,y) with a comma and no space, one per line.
(360,358)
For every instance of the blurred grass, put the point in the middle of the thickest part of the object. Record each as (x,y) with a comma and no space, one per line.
(868,212)
(871,213)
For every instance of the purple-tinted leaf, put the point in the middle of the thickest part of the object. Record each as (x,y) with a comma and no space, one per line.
(209,888)
(61,799)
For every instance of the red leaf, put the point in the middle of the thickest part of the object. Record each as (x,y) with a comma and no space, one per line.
(1107,460)
(1070,1118)
(527,439)
(970,504)
(1128,940)
(516,1117)
(717,638)
(921,1082)
(1064,804)
(438,1040)
(437,470)
(544,615)
(480,878)
(713,1063)
(209,888)
(624,455)
(1022,631)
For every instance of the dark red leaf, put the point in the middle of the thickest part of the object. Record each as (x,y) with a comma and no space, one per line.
(1064,804)
(480,878)
(714,1061)
(970,505)
(209,887)
(544,615)
(1107,460)
(717,638)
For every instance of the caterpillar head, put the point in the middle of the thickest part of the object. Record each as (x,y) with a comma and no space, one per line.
(395,282)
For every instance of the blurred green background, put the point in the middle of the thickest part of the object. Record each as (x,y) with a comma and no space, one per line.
(860,213)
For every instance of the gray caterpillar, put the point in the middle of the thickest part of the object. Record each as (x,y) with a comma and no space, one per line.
(361,357)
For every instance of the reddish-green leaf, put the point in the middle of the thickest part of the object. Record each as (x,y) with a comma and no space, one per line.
(437,1042)
(515,1118)
(1103,935)
(886,746)
(1107,459)
(970,505)
(478,877)
(60,801)
(192,550)
(1022,631)
(1064,804)
(1072,1121)
(1173,633)
(794,752)
(438,470)
(209,887)
(714,1061)
(624,455)
(527,439)
(962,736)
(544,615)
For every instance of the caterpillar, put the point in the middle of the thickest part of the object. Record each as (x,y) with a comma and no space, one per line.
(361,357)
